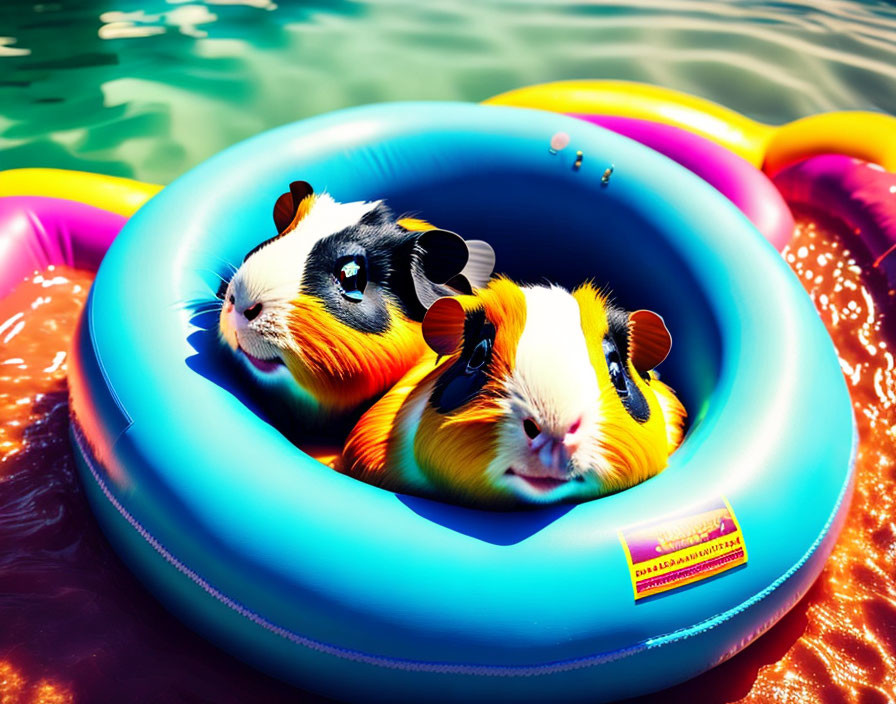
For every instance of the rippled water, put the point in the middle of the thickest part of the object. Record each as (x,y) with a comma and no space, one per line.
(150,88)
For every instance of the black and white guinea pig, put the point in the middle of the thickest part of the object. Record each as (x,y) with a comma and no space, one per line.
(531,395)
(328,311)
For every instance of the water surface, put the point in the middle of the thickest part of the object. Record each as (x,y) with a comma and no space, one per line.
(148,88)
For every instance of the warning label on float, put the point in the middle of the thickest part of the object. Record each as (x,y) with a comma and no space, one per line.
(683,548)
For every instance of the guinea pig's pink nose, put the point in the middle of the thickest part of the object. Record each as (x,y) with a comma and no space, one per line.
(538,437)
(573,438)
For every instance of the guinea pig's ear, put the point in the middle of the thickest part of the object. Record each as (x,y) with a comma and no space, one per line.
(286,209)
(480,264)
(443,260)
(443,326)
(649,340)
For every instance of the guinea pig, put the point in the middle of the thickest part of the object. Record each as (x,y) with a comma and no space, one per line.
(530,395)
(327,312)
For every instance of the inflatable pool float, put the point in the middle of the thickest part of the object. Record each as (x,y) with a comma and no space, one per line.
(358,593)
(51,216)
(111,193)
(39,232)
(858,194)
(868,136)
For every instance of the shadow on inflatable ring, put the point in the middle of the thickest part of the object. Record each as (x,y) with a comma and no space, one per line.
(356,592)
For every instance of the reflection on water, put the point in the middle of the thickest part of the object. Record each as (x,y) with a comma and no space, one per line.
(148,89)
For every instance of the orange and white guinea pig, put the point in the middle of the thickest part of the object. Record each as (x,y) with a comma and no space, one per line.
(530,395)
(328,311)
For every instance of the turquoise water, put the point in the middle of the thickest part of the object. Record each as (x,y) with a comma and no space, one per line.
(148,88)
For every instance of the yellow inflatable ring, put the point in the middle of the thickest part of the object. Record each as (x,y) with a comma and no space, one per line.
(865,135)
(111,193)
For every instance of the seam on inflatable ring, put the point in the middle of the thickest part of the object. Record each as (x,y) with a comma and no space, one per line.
(459,668)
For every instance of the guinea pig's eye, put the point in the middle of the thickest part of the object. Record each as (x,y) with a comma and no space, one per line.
(351,274)
(479,356)
(616,367)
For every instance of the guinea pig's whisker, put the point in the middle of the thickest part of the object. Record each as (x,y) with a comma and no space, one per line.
(226,262)
(199,305)
(213,295)
(216,274)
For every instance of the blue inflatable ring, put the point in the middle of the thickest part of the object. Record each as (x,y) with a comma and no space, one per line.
(359,593)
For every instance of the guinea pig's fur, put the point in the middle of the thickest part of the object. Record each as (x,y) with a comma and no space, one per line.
(328,312)
(516,403)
